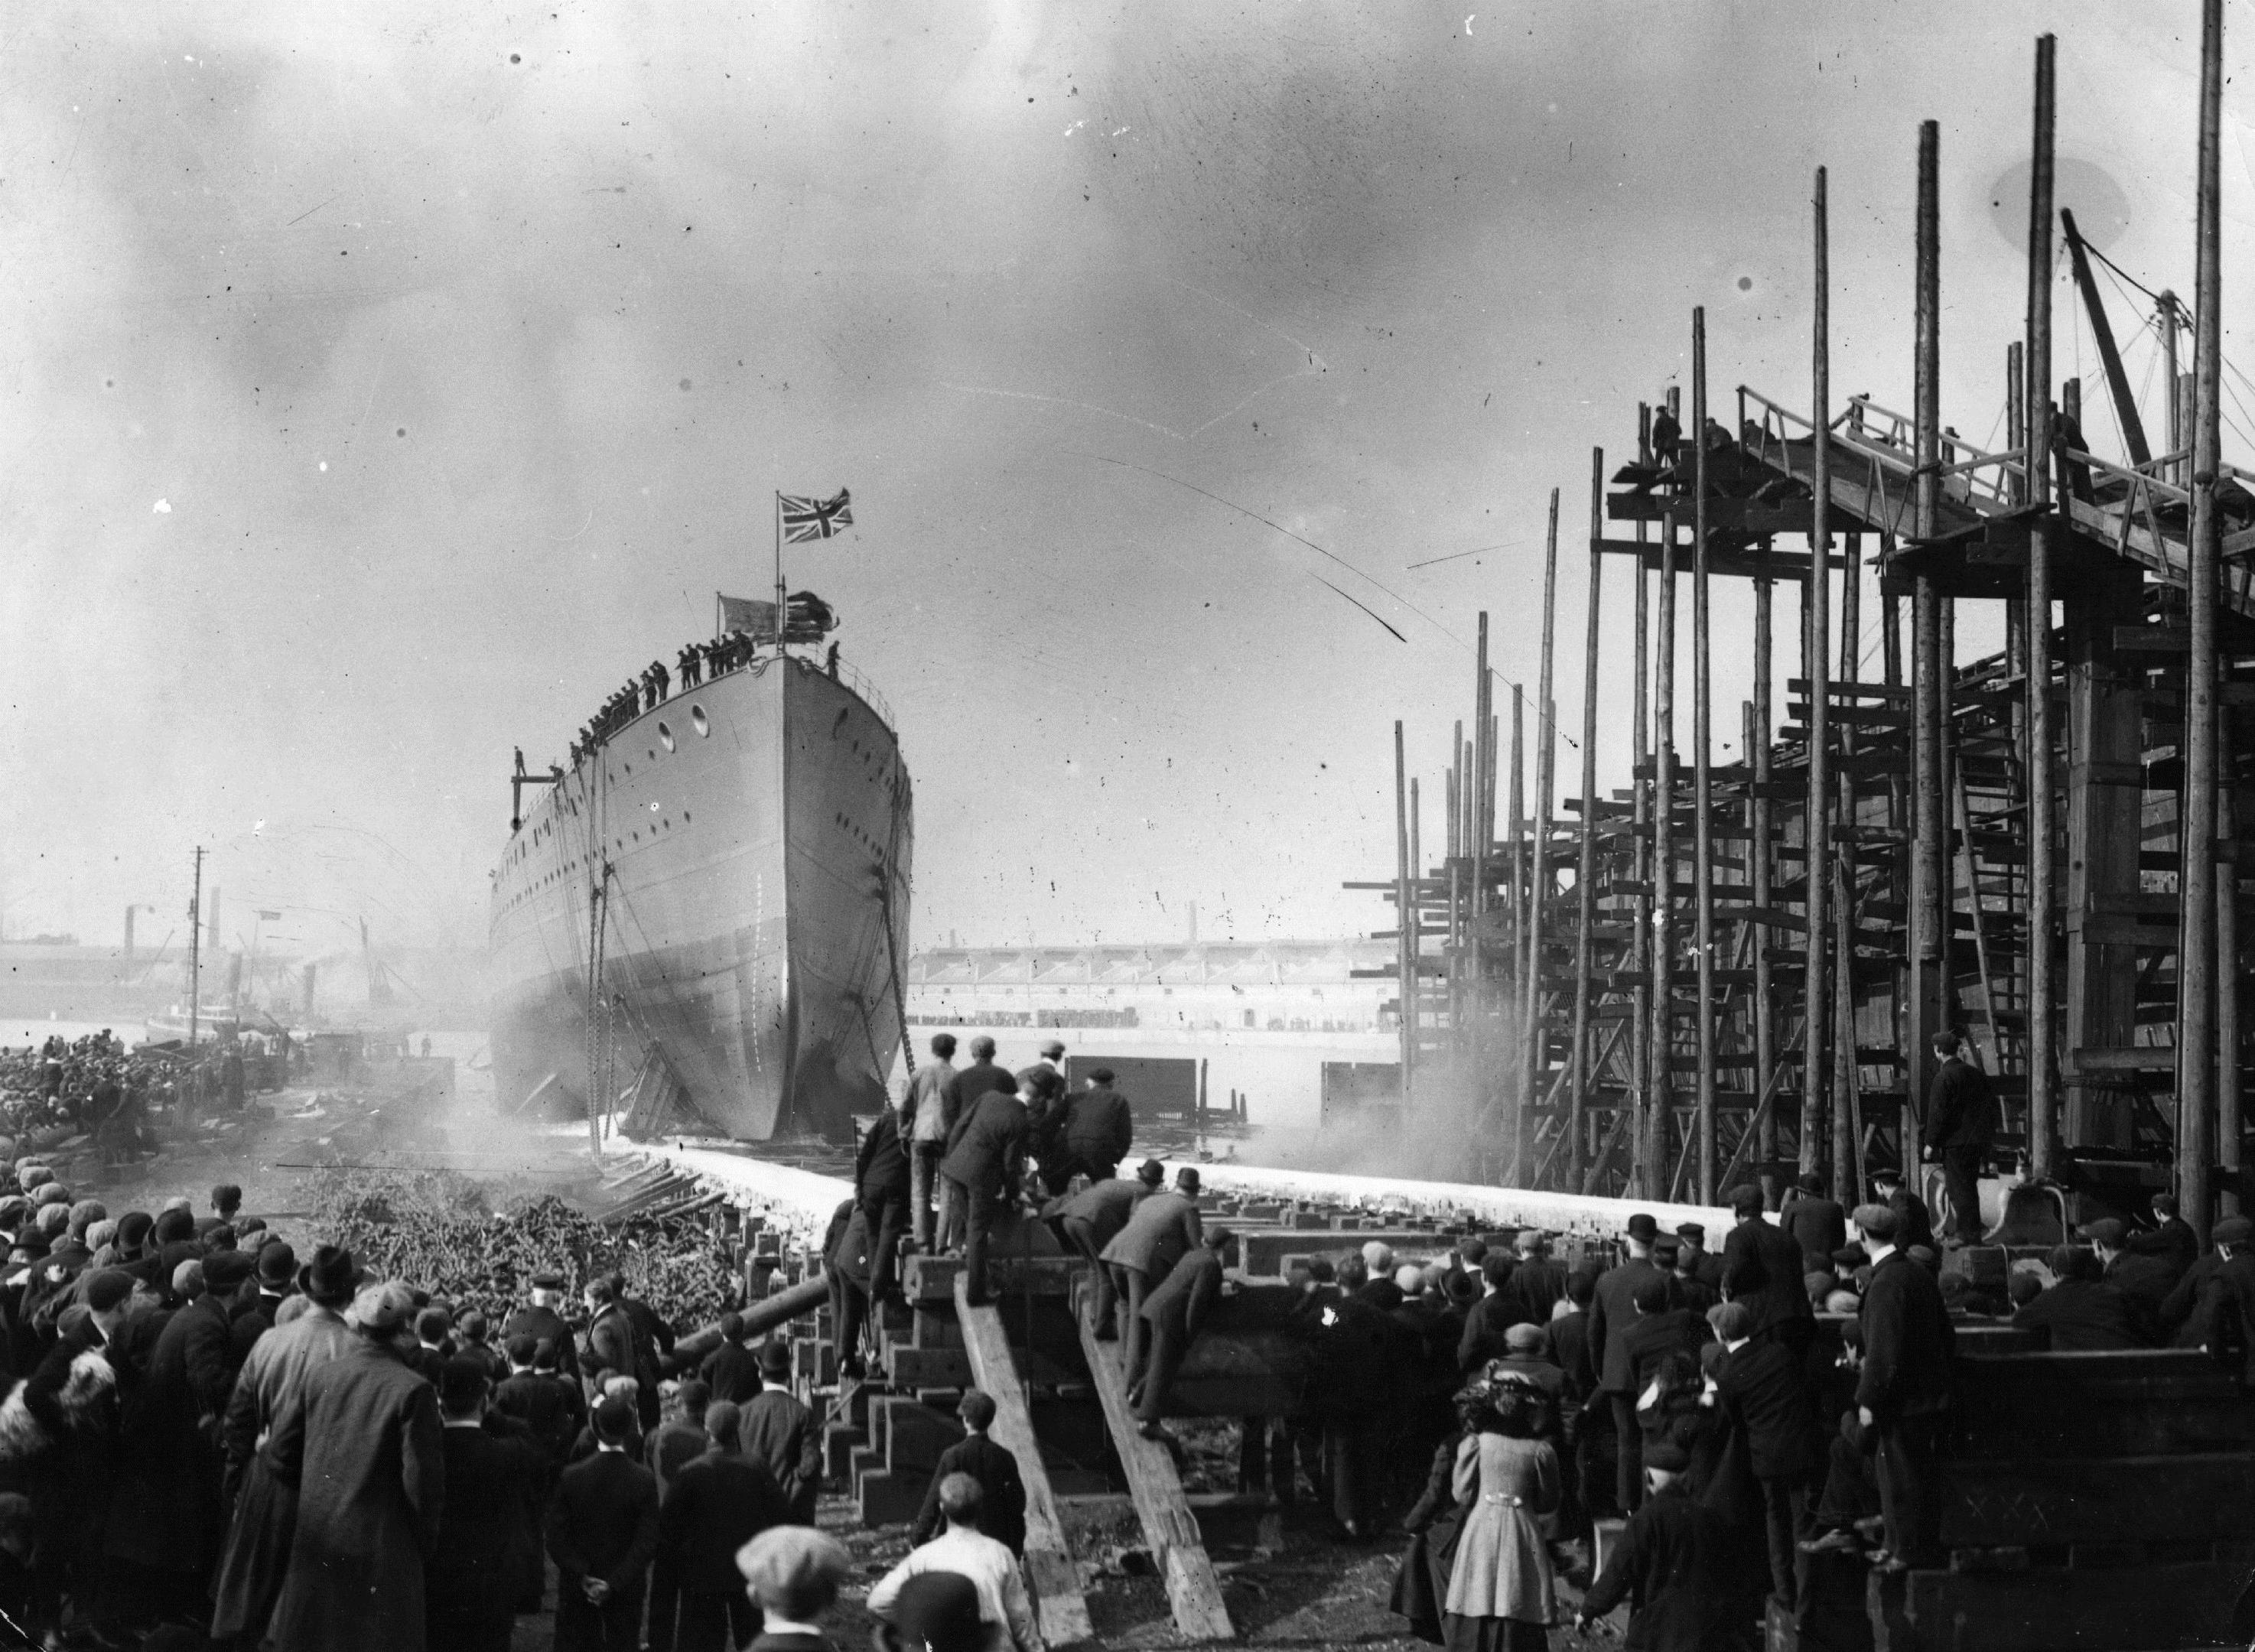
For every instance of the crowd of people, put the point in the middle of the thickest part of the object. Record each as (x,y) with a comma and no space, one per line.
(810,618)
(94,1085)
(207,1439)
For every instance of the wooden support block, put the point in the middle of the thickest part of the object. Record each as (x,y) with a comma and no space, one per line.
(1051,1575)
(2054,1609)
(929,1282)
(2092,1502)
(907,1368)
(1193,1590)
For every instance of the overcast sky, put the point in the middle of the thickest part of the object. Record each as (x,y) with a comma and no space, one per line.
(379,385)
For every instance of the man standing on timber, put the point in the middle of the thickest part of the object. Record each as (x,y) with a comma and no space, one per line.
(1176,1311)
(1090,1219)
(923,1121)
(958,1096)
(984,1162)
(1164,1228)
(1904,1392)
(1098,1128)
(1960,1122)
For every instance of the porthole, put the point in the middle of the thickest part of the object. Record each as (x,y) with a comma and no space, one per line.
(702,723)
(664,737)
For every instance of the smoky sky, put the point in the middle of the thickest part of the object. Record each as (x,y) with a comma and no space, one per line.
(381,386)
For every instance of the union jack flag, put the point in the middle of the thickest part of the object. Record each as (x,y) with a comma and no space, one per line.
(805,519)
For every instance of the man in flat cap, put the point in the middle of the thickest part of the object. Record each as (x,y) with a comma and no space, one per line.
(1961,1123)
(361,1440)
(1903,1393)
(1612,1311)
(1099,1125)
(1001,1491)
(2145,1280)
(2188,1312)
(1673,1565)
(1004,1610)
(1914,1222)
(792,1573)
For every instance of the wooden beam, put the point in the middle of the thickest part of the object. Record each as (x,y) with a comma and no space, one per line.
(1051,1574)
(1193,1591)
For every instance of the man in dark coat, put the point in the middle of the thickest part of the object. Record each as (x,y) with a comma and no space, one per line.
(1042,1087)
(487,1534)
(2171,1238)
(1098,1128)
(2079,1312)
(1672,1564)
(1961,1123)
(1612,1311)
(362,1443)
(733,1369)
(1818,1223)
(253,1316)
(881,1183)
(1162,1231)
(2188,1312)
(1538,1281)
(1762,1266)
(1660,1330)
(1493,1315)
(536,1401)
(986,1160)
(1090,1219)
(718,1503)
(1914,1222)
(265,1503)
(602,1531)
(964,1087)
(774,1427)
(1002,1491)
(1903,1393)
(1176,1310)
(1761,1395)
(165,1513)
(543,1320)
(2145,1280)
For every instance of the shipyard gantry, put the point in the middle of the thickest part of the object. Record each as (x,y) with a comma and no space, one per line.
(1732,970)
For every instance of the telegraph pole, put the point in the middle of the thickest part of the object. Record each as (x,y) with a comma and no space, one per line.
(196,951)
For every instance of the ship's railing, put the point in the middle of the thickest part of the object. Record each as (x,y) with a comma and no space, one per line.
(844,673)
(867,690)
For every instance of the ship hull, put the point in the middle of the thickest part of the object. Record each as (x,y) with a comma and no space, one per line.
(757,830)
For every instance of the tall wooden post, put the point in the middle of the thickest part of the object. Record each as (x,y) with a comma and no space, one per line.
(1640,1096)
(1660,1122)
(1929,895)
(2043,1082)
(1483,784)
(1585,869)
(1405,910)
(1703,846)
(1816,834)
(2228,1095)
(2196,965)
(1759,867)
(1846,1075)
(1518,873)
(1541,882)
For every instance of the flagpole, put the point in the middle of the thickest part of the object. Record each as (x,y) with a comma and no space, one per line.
(780,647)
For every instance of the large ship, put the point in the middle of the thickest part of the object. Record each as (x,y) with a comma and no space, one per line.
(731,864)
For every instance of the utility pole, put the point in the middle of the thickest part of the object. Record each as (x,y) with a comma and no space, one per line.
(2037,409)
(2198,965)
(196,951)
(1816,833)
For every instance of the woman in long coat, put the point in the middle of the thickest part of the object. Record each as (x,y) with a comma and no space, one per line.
(1500,1596)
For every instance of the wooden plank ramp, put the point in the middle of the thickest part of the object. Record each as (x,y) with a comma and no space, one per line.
(1051,1574)
(1193,1591)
